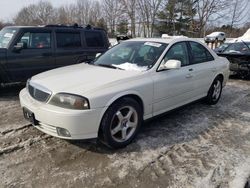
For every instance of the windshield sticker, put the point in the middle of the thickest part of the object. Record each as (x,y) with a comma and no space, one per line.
(154,44)
(8,35)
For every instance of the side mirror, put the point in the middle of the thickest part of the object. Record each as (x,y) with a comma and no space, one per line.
(171,64)
(18,47)
(98,55)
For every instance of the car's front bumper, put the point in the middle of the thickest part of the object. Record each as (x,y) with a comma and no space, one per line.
(81,124)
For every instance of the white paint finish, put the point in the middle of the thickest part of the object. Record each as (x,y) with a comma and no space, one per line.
(159,91)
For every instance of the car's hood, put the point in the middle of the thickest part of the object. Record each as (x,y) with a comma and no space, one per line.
(237,58)
(81,78)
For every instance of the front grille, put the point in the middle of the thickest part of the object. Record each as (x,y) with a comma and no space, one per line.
(37,93)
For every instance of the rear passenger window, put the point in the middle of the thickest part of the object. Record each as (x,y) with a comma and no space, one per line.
(34,40)
(200,53)
(94,39)
(68,40)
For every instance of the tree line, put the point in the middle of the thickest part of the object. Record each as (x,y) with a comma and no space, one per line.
(145,18)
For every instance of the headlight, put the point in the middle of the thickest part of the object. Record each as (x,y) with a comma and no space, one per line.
(70,101)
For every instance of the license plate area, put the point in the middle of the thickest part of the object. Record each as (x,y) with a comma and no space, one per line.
(30,116)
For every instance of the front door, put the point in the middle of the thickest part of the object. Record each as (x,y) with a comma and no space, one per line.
(35,56)
(173,88)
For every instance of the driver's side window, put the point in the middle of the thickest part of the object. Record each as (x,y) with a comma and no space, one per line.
(31,40)
(179,52)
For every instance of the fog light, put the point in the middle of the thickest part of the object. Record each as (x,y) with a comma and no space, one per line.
(63,132)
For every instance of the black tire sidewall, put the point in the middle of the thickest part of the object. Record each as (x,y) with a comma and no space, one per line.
(209,98)
(105,132)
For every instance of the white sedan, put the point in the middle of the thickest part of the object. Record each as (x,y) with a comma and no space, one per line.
(133,81)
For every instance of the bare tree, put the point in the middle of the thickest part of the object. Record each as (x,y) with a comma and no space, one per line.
(130,9)
(95,13)
(66,14)
(148,11)
(206,9)
(82,9)
(36,14)
(112,13)
(239,10)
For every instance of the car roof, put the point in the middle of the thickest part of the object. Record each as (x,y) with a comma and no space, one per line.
(163,40)
(216,33)
(57,27)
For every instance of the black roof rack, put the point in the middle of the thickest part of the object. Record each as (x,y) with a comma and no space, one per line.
(64,26)
(76,26)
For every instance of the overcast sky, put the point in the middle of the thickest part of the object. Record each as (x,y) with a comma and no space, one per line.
(9,8)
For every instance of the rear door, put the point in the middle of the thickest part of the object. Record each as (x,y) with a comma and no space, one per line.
(96,42)
(69,47)
(203,68)
(36,56)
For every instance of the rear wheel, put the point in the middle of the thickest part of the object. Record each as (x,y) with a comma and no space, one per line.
(120,123)
(214,92)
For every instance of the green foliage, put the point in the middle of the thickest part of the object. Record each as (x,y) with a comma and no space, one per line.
(177,17)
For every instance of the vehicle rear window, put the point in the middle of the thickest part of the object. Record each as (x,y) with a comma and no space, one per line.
(68,40)
(94,39)
(200,53)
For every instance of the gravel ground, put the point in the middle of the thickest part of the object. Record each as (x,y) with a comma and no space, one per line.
(195,146)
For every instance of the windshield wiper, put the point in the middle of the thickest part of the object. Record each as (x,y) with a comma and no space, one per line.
(109,66)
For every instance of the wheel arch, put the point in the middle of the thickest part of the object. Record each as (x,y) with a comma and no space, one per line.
(131,94)
(220,76)
(134,95)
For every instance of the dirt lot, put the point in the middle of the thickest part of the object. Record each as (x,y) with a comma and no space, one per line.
(195,146)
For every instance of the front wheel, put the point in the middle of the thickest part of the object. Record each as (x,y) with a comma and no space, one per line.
(214,92)
(120,123)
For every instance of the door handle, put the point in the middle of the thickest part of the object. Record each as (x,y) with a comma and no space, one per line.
(214,69)
(189,76)
(190,69)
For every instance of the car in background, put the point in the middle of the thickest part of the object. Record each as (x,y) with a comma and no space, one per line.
(113,42)
(131,82)
(26,51)
(238,54)
(215,37)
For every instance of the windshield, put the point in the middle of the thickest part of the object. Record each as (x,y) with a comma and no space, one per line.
(5,37)
(238,47)
(132,55)
(223,46)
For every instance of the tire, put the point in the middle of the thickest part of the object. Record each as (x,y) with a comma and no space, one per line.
(120,123)
(214,92)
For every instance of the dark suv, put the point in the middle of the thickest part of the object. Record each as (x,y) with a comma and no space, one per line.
(26,51)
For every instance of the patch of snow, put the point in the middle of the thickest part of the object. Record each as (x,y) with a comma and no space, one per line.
(131,67)
(246,114)
(246,36)
(242,173)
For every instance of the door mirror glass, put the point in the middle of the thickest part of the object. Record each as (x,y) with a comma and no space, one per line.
(18,47)
(171,64)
